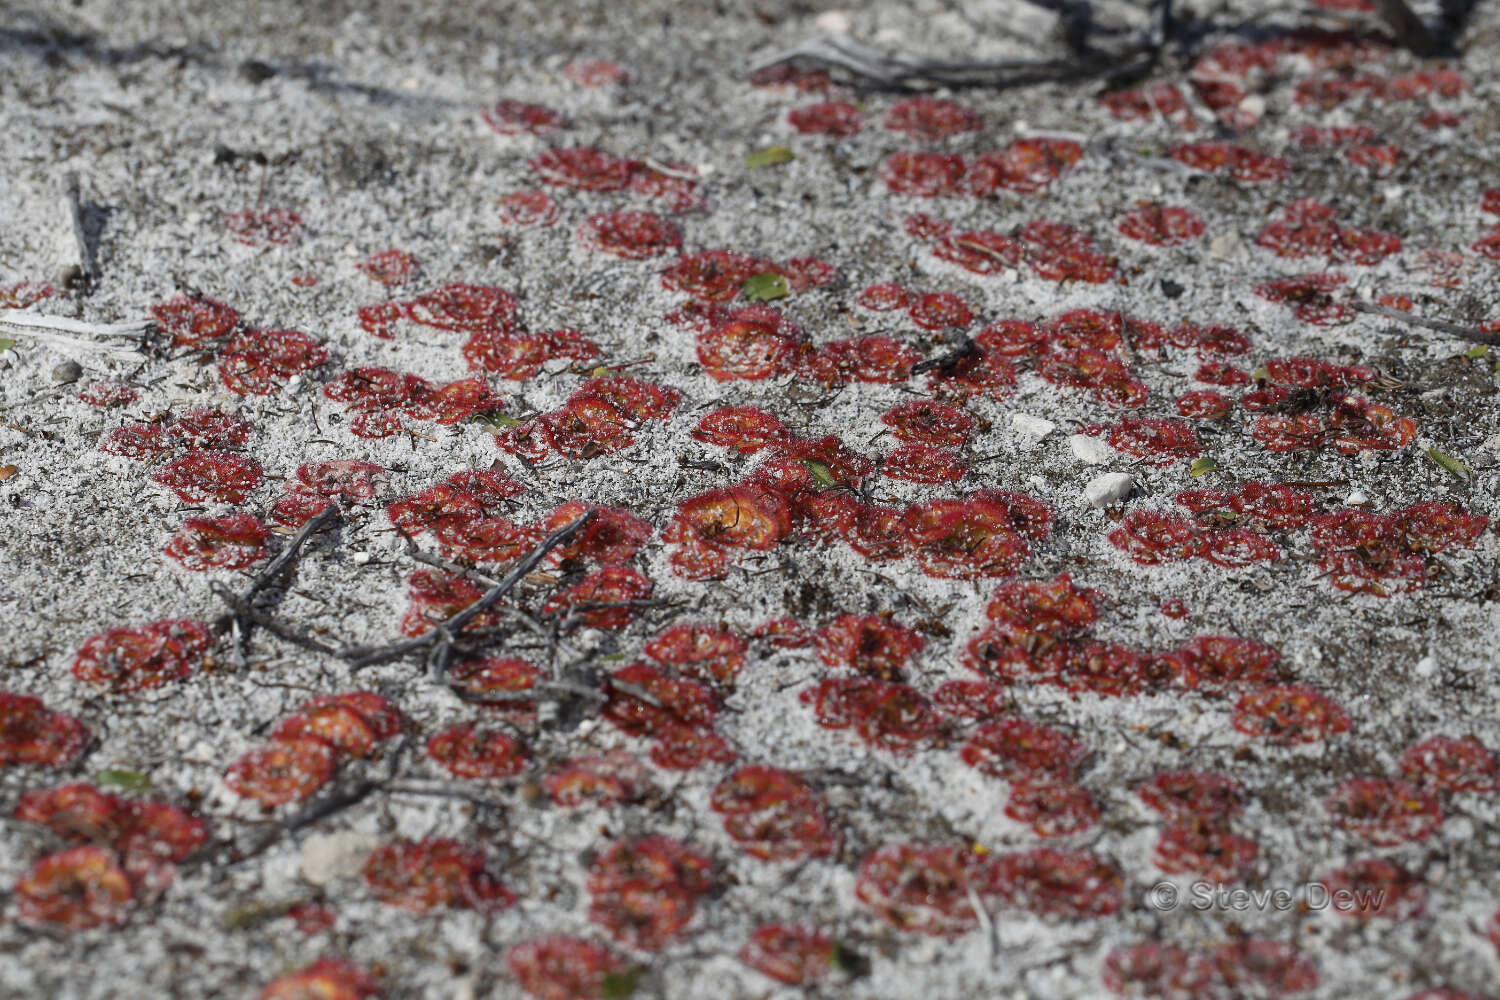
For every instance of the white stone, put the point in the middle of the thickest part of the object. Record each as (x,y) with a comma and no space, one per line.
(1089,450)
(361,558)
(1427,666)
(1356,498)
(1032,426)
(1108,489)
(835,22)
(328,857)
(1227,245)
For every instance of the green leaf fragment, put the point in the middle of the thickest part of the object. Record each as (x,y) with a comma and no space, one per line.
(820,472)
(253,914)
(6,343)
(497,419)
(1203,465)
(769,157)
(1477,351)
(618,985)
(1449,464)
(131,781)
(764,287)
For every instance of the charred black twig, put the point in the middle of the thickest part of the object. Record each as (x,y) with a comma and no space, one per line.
(341,799)
(1441,326)
(903,73)
(1407,29)
(246,612)
(442,637)
(243,615)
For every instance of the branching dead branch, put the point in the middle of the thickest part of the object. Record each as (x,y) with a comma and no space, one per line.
(243,615)
(442,638)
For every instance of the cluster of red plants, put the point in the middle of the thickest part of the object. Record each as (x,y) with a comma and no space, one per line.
(793,954)
(32,733)
(712,276)
(1231,160)
(307,746)
(585,168)
(423,875)
(811,486)
(676,713)
(1307,229)
(250,361)
(774,815)
(319,486)
(1053,251)
(645,890)
(24,294)
(261,228)
(1359,550)
(325,979)
(1329,92)
(756,342)
(509,117)
(1247,967)
(932,889)
(1026,166)
(381,398)
(200,428)
(1310,297)
(563,968)
(602,416)
(1198,840)
(131,660)
(128,851)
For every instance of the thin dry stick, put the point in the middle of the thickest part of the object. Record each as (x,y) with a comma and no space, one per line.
(37,321)
(43,330)
(87,266)
(443,636)
(1441,326)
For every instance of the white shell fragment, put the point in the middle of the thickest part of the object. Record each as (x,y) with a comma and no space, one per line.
(1089,450)
(1035,427)
(1108,489)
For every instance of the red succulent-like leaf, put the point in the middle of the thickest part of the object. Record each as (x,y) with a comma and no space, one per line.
(563,968)
(74,890)
(427,874)
(31,733)
(130,660)
(232,542)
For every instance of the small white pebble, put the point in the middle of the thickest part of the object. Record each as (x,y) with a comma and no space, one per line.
(360,558)
(1033,426)
(193,218)
(1227,245)
(1356,498)
(1108,489)
(292,385)
(1459,829)
(325,858)
(835,22)
(1426,667)
(1255,104)
(1089,450)
(1392,192)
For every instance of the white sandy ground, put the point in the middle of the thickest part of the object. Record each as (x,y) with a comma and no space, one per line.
(371,131)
